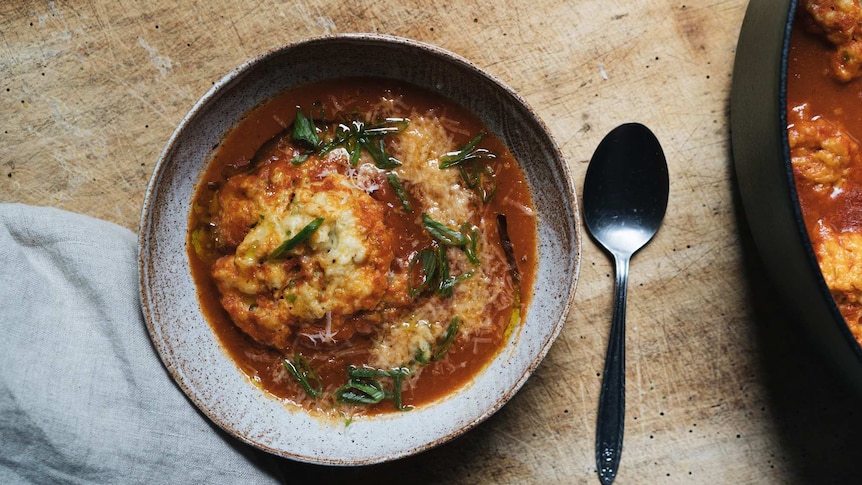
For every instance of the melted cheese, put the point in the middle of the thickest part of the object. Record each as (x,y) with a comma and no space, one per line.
(446,200)
(420,146)
(342,268)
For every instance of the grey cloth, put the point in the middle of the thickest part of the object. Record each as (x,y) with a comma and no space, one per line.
(84,397)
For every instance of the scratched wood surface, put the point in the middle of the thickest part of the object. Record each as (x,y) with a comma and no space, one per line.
(721,389)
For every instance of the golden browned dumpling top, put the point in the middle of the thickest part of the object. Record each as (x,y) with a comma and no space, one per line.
(840,23)
(821,153)
(318,249)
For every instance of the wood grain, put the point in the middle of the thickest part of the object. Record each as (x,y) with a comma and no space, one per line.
(721,388)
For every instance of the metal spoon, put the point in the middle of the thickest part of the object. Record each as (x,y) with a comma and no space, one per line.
(625,198)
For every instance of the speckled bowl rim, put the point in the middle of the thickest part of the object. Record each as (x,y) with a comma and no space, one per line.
(334,446)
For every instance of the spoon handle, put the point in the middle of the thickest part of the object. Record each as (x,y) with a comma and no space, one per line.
(609,428)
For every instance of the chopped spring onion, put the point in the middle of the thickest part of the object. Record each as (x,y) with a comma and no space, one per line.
(471,248)
(470,175)
(382,160)
(307,377)
(443,234)
(442,264)
(398,374)
(399,190)
(427,258)
(448,284)
(357,135)
(300,237)
(362,391)
(422,356)
(480,178)
(436,274)
(466,154)
(387,126)
(477,176)
(304,131)
(363,386)
(487,185)
(448,339)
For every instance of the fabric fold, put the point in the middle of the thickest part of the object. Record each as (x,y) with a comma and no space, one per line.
(84,397)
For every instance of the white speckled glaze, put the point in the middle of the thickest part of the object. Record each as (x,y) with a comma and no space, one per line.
(189,348)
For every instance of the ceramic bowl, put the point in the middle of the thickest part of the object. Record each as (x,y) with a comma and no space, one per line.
(766,186)
(191,351)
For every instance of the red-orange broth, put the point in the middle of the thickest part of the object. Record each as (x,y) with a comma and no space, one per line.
(824,129)
(263,364)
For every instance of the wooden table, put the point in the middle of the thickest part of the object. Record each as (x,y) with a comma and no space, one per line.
(721,389)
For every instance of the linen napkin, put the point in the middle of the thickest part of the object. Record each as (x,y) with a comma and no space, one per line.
(84,397)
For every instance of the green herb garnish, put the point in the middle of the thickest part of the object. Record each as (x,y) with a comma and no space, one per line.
(307,377)
(466,154)
(471,249)
(427,259)
(476,175)
(357,135)
(445,282)
(424,356)
(362,391)
(448,339)
(434,262)
(442,233)
(399,190)
(304,131)
(433,267)
(487,185)
(300,237)
(363,386)
(447,285)
(382,160)
(397,383)
(480,178)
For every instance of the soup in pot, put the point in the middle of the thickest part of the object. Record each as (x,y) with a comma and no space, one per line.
(824,90)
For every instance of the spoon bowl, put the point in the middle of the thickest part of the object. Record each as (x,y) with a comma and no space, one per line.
(625,198)
(626,189)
